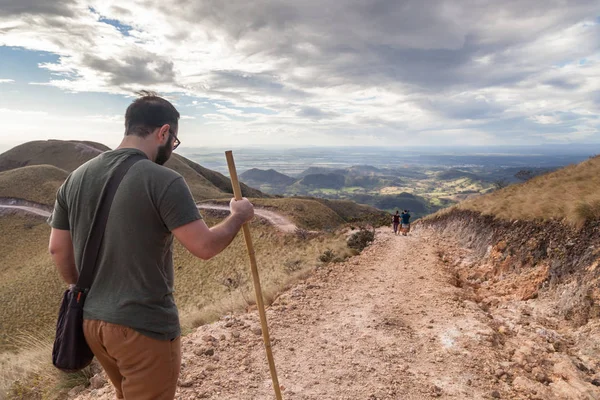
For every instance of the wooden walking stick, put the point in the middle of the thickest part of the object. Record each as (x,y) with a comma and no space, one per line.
(237,192)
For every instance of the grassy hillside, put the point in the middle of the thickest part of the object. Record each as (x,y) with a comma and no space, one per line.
(36,183)
(571,194)
(307,213)
(200,187)
(66,155)
(350,211)
(219,180)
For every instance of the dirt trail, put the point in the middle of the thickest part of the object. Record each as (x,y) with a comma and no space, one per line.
(277,220)
(28,209)
(387,324)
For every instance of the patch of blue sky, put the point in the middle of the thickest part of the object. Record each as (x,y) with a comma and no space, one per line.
(245,110)
(123,28)
(23,66)
(53,100)
(365,98)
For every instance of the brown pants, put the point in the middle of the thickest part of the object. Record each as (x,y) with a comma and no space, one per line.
(139,367)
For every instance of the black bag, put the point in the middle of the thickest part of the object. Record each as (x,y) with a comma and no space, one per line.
(71,352)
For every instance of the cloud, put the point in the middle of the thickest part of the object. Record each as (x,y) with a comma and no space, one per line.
(36,7)
(404,68)
(6,81)
(314,113)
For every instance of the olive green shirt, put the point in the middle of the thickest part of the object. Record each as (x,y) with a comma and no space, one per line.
(133,282)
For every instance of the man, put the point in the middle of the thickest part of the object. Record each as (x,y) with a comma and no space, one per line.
(396,222)
(405,223)
(131,321)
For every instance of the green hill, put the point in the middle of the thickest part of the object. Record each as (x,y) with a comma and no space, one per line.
(323,181)
(269,176)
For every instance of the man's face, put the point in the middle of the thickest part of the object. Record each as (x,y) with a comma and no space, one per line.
(164,152)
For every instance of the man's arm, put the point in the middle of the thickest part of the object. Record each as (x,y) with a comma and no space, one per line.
(61,250)
(205,242)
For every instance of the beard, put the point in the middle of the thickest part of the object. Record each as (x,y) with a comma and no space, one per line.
(163,154)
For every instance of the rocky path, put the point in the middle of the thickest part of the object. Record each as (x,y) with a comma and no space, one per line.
(387,324)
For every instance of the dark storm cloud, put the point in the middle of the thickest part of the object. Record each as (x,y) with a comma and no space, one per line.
(146,69)
(37,7)
(431,45)
(314,113)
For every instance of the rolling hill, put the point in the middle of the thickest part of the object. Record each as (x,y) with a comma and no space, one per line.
(66,155)
(35,183)
(323,181)
(570,194)
(269,176)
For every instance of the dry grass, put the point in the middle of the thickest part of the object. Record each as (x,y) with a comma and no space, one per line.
(306,213)
(29,373)
(222,182)
(37,183)
(350,211)
(205,290)
(31,290)
(200,187)
(224,284)
(570,194)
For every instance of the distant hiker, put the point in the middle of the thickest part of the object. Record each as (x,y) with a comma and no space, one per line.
(405,228)
(396,222)
(131,322)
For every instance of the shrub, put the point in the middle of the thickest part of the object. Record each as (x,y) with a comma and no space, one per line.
(292,266)
(361,239)
(588,211)
(302,234)
(327,256)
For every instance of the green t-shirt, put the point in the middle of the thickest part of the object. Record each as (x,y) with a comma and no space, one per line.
(133,283)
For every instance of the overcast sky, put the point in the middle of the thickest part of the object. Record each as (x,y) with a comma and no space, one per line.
(298,73)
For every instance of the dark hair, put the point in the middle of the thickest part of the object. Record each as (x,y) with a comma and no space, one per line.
(149,112)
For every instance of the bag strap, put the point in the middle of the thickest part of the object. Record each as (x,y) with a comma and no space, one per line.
(92,246)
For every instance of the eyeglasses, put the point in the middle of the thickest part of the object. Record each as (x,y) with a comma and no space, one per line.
(176,142)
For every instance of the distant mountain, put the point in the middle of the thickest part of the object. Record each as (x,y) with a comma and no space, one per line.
(324,181)
(269,176)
